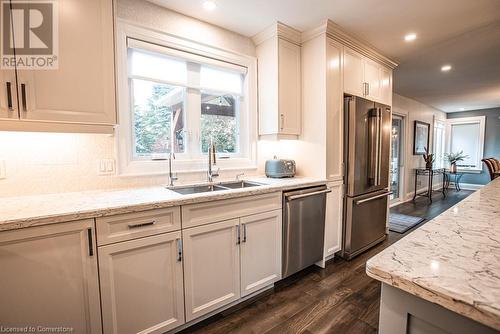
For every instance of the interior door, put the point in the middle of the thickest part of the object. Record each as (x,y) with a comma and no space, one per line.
(81,89)
(211,267)
(8,83)
(396,163)
(367,145)
(260,251)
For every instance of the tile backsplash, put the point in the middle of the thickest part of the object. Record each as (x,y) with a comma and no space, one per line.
(40,163)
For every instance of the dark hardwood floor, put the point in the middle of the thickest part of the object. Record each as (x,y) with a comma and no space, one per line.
(338,299)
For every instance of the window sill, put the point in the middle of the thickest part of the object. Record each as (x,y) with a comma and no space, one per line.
(469,171)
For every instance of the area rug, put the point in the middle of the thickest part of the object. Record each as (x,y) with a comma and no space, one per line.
(401,223)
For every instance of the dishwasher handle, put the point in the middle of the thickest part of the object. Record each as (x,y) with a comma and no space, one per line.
(293,197)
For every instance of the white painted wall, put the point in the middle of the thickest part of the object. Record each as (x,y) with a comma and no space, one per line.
(413,110)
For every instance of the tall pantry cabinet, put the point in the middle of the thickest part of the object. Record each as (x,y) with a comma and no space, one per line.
(333,63)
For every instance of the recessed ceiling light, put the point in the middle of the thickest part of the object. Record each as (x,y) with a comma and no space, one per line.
(445,68)
(209,5)
(410,37)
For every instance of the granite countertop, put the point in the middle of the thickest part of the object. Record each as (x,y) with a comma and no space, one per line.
(26,211)
(453,260)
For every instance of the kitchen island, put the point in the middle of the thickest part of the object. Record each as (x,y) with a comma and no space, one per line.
(445,276)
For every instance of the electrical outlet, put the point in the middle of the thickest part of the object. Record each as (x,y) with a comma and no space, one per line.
(106,166)
(3,170)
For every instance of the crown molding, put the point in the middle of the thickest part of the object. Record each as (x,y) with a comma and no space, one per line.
(335,32)
(280,30)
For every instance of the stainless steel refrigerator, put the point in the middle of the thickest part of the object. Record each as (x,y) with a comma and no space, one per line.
(367,131)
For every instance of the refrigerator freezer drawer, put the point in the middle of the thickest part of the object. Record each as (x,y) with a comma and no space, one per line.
(365,222)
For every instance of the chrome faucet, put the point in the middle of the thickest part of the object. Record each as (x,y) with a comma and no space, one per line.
(211,161)
(171,176)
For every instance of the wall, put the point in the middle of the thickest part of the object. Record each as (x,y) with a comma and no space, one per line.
(39,163)
(413,110)
(491,141)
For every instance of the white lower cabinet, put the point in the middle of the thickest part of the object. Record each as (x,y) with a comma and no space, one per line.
(333,219)
(48,277)
(211,267)
(142,284)
(260,251)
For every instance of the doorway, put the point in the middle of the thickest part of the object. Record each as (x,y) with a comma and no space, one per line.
(397,160)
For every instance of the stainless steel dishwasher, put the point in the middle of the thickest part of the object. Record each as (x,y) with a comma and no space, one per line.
(303,228)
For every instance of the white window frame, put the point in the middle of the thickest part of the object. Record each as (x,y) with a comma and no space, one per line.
(481,120)
(175,46)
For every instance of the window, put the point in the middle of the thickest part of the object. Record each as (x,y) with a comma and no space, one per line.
(467,135)
(178,100)
(439,143)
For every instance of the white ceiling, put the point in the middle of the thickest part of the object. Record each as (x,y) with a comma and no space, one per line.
(463,33)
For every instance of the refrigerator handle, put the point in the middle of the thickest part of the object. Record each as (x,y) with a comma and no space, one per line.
(372,146)
(379,146)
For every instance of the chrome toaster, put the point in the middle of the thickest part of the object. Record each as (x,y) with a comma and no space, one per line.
(278,168)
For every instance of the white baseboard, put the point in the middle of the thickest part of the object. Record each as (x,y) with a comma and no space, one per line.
(468,186)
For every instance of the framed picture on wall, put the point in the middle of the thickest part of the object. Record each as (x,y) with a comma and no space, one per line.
(420,137)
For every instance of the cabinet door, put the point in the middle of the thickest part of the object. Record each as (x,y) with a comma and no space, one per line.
(289,88)
(141,284)
(333,221)
(211,267)
(372,77)
(82,89)
(8,84)
(353,72)
(8,95)
(260,251)
(49,277)
(386,86)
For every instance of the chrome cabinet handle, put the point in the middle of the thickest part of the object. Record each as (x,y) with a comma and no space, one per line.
(142,224)
(91,244)
(23,98)
(367,88)
(238,235)
(244,233)
(326,191)
(8,84)
(179,249)
(282,121)
(373,198)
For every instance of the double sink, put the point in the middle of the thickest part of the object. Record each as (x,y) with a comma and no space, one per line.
(204,188)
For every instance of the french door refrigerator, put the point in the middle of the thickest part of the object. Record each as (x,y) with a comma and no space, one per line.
(367,130)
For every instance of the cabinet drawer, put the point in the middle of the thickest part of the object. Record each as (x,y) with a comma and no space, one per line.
(137,225)
(210,212)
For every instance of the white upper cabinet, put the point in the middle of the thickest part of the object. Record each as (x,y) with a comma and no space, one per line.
(353,73)
(372,74)
(81,90)
(49,277)
(8,95)
(366,78)
(279,77)
(260,251)
(142,284)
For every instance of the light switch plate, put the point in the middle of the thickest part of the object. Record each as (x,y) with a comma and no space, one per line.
(3,170)
(106,166)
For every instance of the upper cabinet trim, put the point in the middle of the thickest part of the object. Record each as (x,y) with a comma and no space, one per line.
(279,30)
(334,31)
